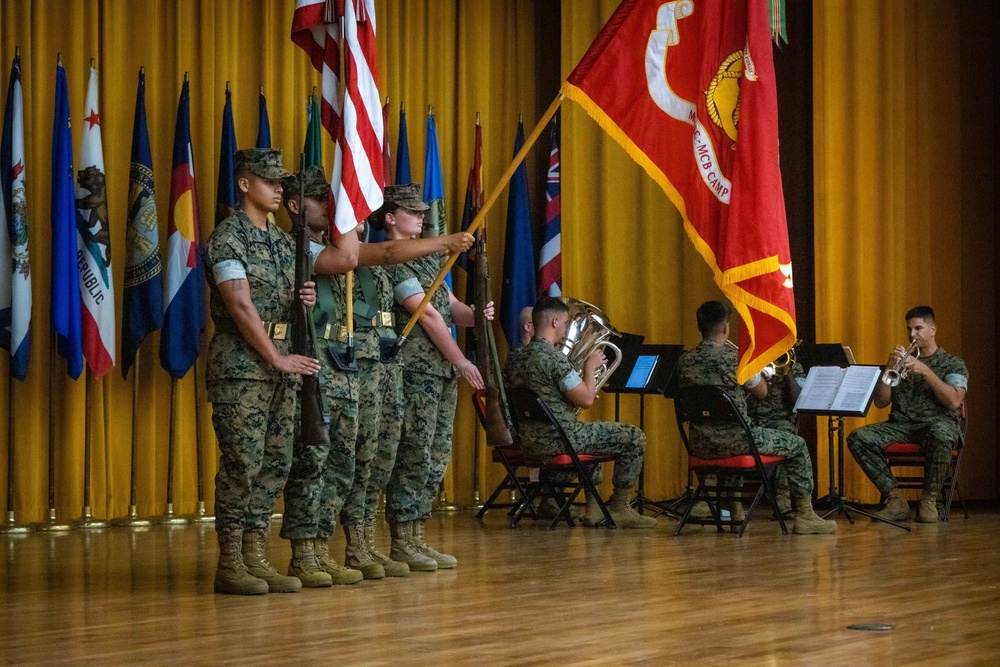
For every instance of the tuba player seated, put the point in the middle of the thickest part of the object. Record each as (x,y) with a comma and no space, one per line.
(540,367)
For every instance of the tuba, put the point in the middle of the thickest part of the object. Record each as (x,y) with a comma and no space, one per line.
(587,330)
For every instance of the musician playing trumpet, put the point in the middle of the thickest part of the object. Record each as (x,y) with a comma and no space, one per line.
(926,405)
(539,366)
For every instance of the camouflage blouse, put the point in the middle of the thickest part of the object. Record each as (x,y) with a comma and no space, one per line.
(540,367)
(420,354)
(913,402)
(775,409)
(266,259)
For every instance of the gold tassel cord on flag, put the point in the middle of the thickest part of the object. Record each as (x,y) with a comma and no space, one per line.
(481,216)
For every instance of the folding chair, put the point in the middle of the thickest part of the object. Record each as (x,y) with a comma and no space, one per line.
(712,405)
(911,455)
(527,407)
(510,457)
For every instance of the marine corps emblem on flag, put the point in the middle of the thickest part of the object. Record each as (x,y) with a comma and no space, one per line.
(674,83)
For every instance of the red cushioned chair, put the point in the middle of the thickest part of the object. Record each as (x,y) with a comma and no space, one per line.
(911,455)
(712,405)
(528,407)
(511,458)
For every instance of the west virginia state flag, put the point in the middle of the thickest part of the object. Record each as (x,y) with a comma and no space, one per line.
(687,87)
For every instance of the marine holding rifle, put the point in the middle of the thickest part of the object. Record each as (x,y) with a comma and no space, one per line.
(252,376)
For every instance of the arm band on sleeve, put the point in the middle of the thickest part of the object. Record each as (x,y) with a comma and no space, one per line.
(752,382)
(229,269)
(406,289)
(570,382)
(957,380)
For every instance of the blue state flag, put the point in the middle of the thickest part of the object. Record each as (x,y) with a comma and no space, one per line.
(519,252)
(403,175)
(436,219)
(142,310)
(66,322)
(225,199)
(263,124)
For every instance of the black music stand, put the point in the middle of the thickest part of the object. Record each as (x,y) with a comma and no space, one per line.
(645,369)
(835,433)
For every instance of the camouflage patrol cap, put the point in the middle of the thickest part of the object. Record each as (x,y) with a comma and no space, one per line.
(314,181)
(262,162)
(405,196)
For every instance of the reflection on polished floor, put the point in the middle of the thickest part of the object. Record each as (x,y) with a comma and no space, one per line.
(527,597)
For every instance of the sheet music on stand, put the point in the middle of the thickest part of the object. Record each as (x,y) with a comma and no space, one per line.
(843,392)
(838,393)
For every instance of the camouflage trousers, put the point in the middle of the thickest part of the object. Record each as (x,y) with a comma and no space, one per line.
(625,441)
(781,472)
(722,442)
(424,445)
(380,406)
(255,425)
(938,438)
(321,476)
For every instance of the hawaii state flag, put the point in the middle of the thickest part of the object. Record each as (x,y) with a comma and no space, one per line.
(688,89)
(94,242)
(15,313)
(550,257)
(184,305)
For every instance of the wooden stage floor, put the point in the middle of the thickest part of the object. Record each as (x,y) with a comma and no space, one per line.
(523,597)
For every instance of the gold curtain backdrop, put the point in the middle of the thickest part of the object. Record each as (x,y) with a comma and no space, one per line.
(883,192)
(897,155)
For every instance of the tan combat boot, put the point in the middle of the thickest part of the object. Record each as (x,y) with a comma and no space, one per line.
(592,514)
(807,522)
(404,551)
(737,515)
(257,565)
(356,554)
(621,510)
(927,513)
(391,567)
(444,561)
(342,576)
(231,576)
(896,508)
(305,567)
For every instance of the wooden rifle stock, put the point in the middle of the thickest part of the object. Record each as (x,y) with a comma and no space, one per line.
(313,428)
(497,428)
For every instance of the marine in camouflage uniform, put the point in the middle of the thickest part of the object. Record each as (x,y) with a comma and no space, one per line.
(775,411)
(254,403)
(713,362)
(321,475)
(918,416)
(540,367)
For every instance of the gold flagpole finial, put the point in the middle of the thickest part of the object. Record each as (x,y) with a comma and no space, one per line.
(401,110)
(262,90)
(142,69)
(17,51)
(92,63)
(477,118)
(59,59)
(430,110)
(228,89)
(187,77)
(314,90)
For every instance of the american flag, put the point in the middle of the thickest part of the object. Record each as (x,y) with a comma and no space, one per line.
(354,121)
(550,259)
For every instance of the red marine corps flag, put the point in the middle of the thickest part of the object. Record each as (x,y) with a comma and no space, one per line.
(687,87)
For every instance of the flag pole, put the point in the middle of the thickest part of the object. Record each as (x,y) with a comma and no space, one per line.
(481,216)
(10,526)
(51,524)
(132,520)
(168,518)
(200,514)
(87,520)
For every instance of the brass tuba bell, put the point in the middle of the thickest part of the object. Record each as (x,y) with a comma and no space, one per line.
(587,330)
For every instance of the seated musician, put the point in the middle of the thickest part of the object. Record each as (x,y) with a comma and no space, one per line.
(539,366)
(775,411)
(926,405)
(713,362)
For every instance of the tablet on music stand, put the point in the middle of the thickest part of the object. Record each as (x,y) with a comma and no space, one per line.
(629,345)
(822,354)
(653,369)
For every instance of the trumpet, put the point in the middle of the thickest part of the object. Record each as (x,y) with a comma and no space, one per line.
(781,366)
(893,374)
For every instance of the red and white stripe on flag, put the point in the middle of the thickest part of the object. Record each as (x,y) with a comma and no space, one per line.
(356,123)
(94,243)
(316,29)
